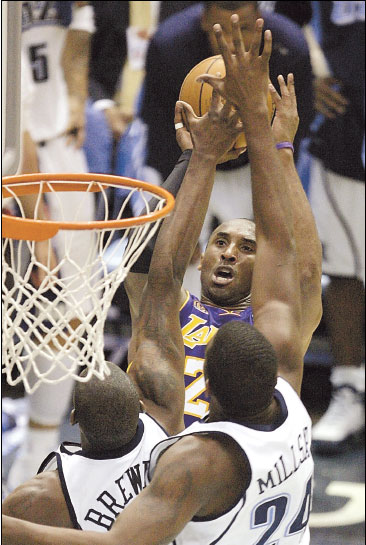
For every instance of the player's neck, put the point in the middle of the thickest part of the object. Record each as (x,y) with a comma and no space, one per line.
(238,306)
(266,417)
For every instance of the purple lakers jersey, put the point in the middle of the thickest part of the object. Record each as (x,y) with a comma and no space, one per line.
(199,323)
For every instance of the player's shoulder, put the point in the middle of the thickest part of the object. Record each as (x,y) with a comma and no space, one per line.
(218,453)
(35,495)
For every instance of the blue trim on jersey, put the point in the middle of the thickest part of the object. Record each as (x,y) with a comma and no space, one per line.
(274,425)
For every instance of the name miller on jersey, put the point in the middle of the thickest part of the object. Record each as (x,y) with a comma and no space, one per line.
(128,486)
(287,465)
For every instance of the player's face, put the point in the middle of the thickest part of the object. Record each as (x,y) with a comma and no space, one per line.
(248,15)
(227,264)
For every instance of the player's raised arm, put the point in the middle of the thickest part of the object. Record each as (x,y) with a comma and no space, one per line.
(276,296)
(137,276)
(158,353)
(308,247)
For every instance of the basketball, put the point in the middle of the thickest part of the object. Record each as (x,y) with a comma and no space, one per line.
(198,95)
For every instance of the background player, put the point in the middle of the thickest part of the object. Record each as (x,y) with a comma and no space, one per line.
(55,41)
(226,478)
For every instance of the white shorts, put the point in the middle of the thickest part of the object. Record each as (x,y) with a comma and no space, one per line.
(56,157)
(338,204)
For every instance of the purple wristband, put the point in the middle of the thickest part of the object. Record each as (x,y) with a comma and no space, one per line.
(282,145)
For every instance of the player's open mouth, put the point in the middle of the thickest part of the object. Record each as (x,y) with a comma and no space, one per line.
(223,276)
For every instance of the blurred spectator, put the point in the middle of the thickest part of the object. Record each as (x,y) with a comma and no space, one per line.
(299,12)
(337,196)
(117,58)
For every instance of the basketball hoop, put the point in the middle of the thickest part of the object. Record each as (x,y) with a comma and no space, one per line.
(65,313)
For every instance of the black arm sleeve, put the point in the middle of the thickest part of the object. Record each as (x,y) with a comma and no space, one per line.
(171,184)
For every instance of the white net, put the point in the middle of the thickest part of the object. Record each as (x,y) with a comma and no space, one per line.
(56,293)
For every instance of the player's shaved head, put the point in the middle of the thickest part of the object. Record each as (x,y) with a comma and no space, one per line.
(107,410)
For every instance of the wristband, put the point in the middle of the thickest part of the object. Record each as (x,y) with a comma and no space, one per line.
(282,145)
(103,104)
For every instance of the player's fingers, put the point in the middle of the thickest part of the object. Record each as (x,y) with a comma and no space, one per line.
(186,111)
(274,95)
(227,108)
(237,37)
(283,86)
(216,97)
(223,46)
(236,121)
(214,81)
(257,38)
(291,88)
(291,84)
(178,113)
(267,48)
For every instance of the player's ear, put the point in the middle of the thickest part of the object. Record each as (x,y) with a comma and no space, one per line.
(199,267)
(73,419)
(207,392)
(142,407)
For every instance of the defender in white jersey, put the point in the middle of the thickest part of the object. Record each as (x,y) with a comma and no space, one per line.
(244,475)
(279,465)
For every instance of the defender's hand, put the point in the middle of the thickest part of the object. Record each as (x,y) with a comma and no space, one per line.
(286,119)
(247,73)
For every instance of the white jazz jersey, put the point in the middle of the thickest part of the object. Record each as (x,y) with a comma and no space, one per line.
(96,490)
(43,40)
(275,508)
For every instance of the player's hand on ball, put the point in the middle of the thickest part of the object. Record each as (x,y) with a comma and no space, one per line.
(214,133)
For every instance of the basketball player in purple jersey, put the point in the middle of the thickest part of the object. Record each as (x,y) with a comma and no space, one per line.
(227,264)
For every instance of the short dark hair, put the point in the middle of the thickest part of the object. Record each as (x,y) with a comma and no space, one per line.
(229,6)
(241,366)
(107,410)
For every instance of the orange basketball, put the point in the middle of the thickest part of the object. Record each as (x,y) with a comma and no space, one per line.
(198,95)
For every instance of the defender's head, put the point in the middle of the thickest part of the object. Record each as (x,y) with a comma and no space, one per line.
(241,369)
(107,410)
(227,263)
(221,12)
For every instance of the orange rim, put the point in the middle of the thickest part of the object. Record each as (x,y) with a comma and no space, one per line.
(28,184)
